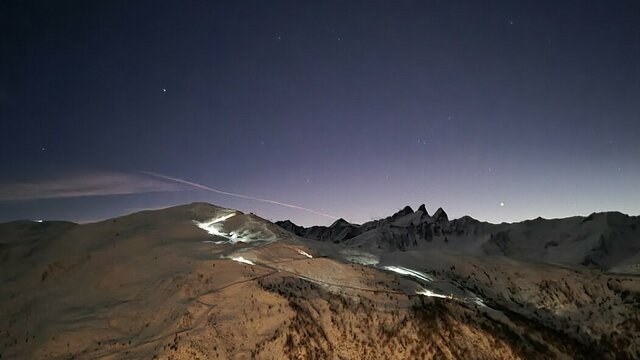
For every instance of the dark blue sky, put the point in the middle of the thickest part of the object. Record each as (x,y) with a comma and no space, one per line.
(348,108)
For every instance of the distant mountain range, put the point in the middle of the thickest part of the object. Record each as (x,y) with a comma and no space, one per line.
(609,240)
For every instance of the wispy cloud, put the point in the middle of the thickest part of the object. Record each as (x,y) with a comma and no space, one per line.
(93,184)
(118,183)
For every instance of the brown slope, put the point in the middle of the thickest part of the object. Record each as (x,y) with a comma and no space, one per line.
(149,286)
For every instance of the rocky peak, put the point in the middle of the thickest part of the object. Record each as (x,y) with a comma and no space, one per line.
(286,223)
(406,211)
(340,222)
(290,226)
(440,215)
(423,208)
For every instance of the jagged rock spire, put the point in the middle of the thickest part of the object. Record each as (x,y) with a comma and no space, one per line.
(440,215)
(340,222)
(406,211)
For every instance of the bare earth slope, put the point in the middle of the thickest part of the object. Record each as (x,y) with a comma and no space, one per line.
(203,282)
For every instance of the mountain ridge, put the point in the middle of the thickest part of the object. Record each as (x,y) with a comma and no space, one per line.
(203,281)
(603,240)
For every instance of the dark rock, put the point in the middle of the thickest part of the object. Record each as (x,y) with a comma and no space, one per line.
(440,215)
(405,211)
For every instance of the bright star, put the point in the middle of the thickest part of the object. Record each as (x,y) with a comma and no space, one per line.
(501,204)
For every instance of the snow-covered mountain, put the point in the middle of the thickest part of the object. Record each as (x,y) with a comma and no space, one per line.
(609,240)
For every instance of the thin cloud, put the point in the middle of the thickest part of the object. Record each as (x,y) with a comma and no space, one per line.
(93,184)
(117,183)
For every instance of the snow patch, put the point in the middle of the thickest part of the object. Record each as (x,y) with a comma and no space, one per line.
(360,257)
(429,293)
(406,271)
(216,227)
(241,259)
(302,252)
(479,302)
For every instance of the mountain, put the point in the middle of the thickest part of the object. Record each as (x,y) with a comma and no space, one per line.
(200,281)
(609,241)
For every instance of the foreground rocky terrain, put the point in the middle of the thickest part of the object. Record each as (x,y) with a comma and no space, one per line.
(203,282)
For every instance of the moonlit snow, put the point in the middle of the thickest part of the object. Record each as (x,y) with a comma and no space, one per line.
(241,259)
(406,271)
(302,252)
(216,227)
(360,257)
(430,293)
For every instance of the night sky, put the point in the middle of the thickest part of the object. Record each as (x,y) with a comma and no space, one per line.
(500,110)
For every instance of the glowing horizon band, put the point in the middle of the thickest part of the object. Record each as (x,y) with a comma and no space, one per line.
(222,192)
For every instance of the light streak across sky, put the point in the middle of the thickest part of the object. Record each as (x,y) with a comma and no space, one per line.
(222,192)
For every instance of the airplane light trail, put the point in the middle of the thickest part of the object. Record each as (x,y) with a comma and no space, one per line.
(222,192)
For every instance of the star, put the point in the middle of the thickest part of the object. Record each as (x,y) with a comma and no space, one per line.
(502,204)
(164,90)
